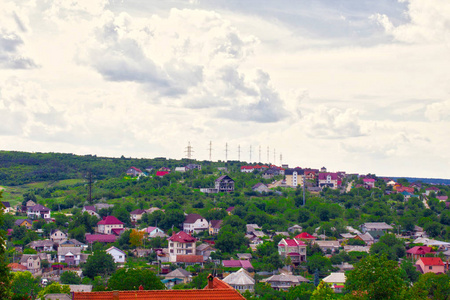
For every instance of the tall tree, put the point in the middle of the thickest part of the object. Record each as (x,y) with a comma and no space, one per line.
(5,275)
(131,279)
(99,263)
(377,276)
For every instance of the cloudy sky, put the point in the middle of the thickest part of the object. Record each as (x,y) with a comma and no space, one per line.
(355,85)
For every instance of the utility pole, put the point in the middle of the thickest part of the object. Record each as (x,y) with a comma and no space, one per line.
(304,188)
(89,187)
(226,151)
(189,150)
(210,150)
(250,153)
(239,153)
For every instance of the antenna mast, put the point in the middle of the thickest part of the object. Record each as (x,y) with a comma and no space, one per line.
(210,150)
(281,159)
(239,153)
(189,150)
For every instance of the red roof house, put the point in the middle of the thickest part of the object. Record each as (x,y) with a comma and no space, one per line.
(418,251)
(109,223)
(305,236)
(162,173)
(101,238)
(430,265)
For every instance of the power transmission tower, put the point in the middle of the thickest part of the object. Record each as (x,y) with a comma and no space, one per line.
(274,157)
(210,150)
(259,153)
(90,187)
(239,153)
(250,153)
(281,159)
(226,151)
(189,150)
(268,160)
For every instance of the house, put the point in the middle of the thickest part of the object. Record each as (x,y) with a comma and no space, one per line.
(418,252)
(193,167)
(336,281)
(234,263)
(7,206)
(57,236)
(162,173)
(377,226)
(24,222)
(109,224)
(252,227)
(91,210)
(241,281)
(57,296)
(323,170)
(332,246)
(430,265)
(69,255)
(260,188)
(181,243)
(229,210)
(224,184)
(294,177)
(118,255)
(15,267)
(216,289)
(356,249)
(42,245)
(431,189)
(133,171)
(205,250)
(38,211)
(366,238)
(180,169)
(73,243)
(369,182)
(214,226)
(180,273)
(101,238)
(153,231)
(246,169)
(311,174)
(136,215)
(442,198)
(195,223)
(295,228)
(293,248)
(330,180)
(283,281)
(32,262)
(305,237)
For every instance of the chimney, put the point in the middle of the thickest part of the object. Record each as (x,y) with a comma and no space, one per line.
(210,282)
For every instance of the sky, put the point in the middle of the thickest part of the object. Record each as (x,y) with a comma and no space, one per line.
(359,86)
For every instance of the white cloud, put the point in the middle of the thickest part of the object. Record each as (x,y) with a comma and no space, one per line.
(439,111)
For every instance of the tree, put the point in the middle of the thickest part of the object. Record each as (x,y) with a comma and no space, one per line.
(24,284)
(5,275)
(323,292)
(302,291)
(131,279)
(69,277)
(99,263)
(377,276)
(410,270)
(136,238)
(78,233)
(54,288)
(432,286)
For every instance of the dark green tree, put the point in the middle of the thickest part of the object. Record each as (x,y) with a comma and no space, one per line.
(99,263)
(5,275)
(131,279)
(69,277)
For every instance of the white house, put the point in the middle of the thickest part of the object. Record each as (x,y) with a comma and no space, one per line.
(57,236)
(153,231)
(195,223)
(117,254)
(38,211)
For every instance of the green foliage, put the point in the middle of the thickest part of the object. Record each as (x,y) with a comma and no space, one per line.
(377,276)
(323,292)
(410,271)
(318,262)
(69,277)
(99,263)
(54,288)
(5,275)
(302,291)
(430,285)
(23,284)
(389,245)
(131,279)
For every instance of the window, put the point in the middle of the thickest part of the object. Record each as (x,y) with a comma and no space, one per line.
(431,268)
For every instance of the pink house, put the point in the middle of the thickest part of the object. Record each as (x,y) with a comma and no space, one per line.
(418,251)
(330,180)
(370,182)
(430,265)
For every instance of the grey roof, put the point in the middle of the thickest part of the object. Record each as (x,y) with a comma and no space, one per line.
(335,278)
(240,277)
(42,243)
(20,221)
(348,235)
(244,255)
(80,287)
(328,243)
(366,237)
(295,227)
(6,204)
(25,257)
(65,250)
(378,226)
(286,278)
(179,273)
(73,242)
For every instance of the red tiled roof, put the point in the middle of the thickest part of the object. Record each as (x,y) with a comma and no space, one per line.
(184,258)
(419,250)
(246,167)
(292,243)
(432,261)
(229,209)
(117,231)
(110,220)
(305,235)
(368,180)
(102,238)
(294,254)
(137,212)
(323,176)
(136,169)
(182,237)
(16,266)
(237,263)
(162,173)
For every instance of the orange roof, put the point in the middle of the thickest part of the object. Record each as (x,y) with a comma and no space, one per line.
(220,290)
(16,266)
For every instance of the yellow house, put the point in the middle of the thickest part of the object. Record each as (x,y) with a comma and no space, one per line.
(294,177)
(24,222)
